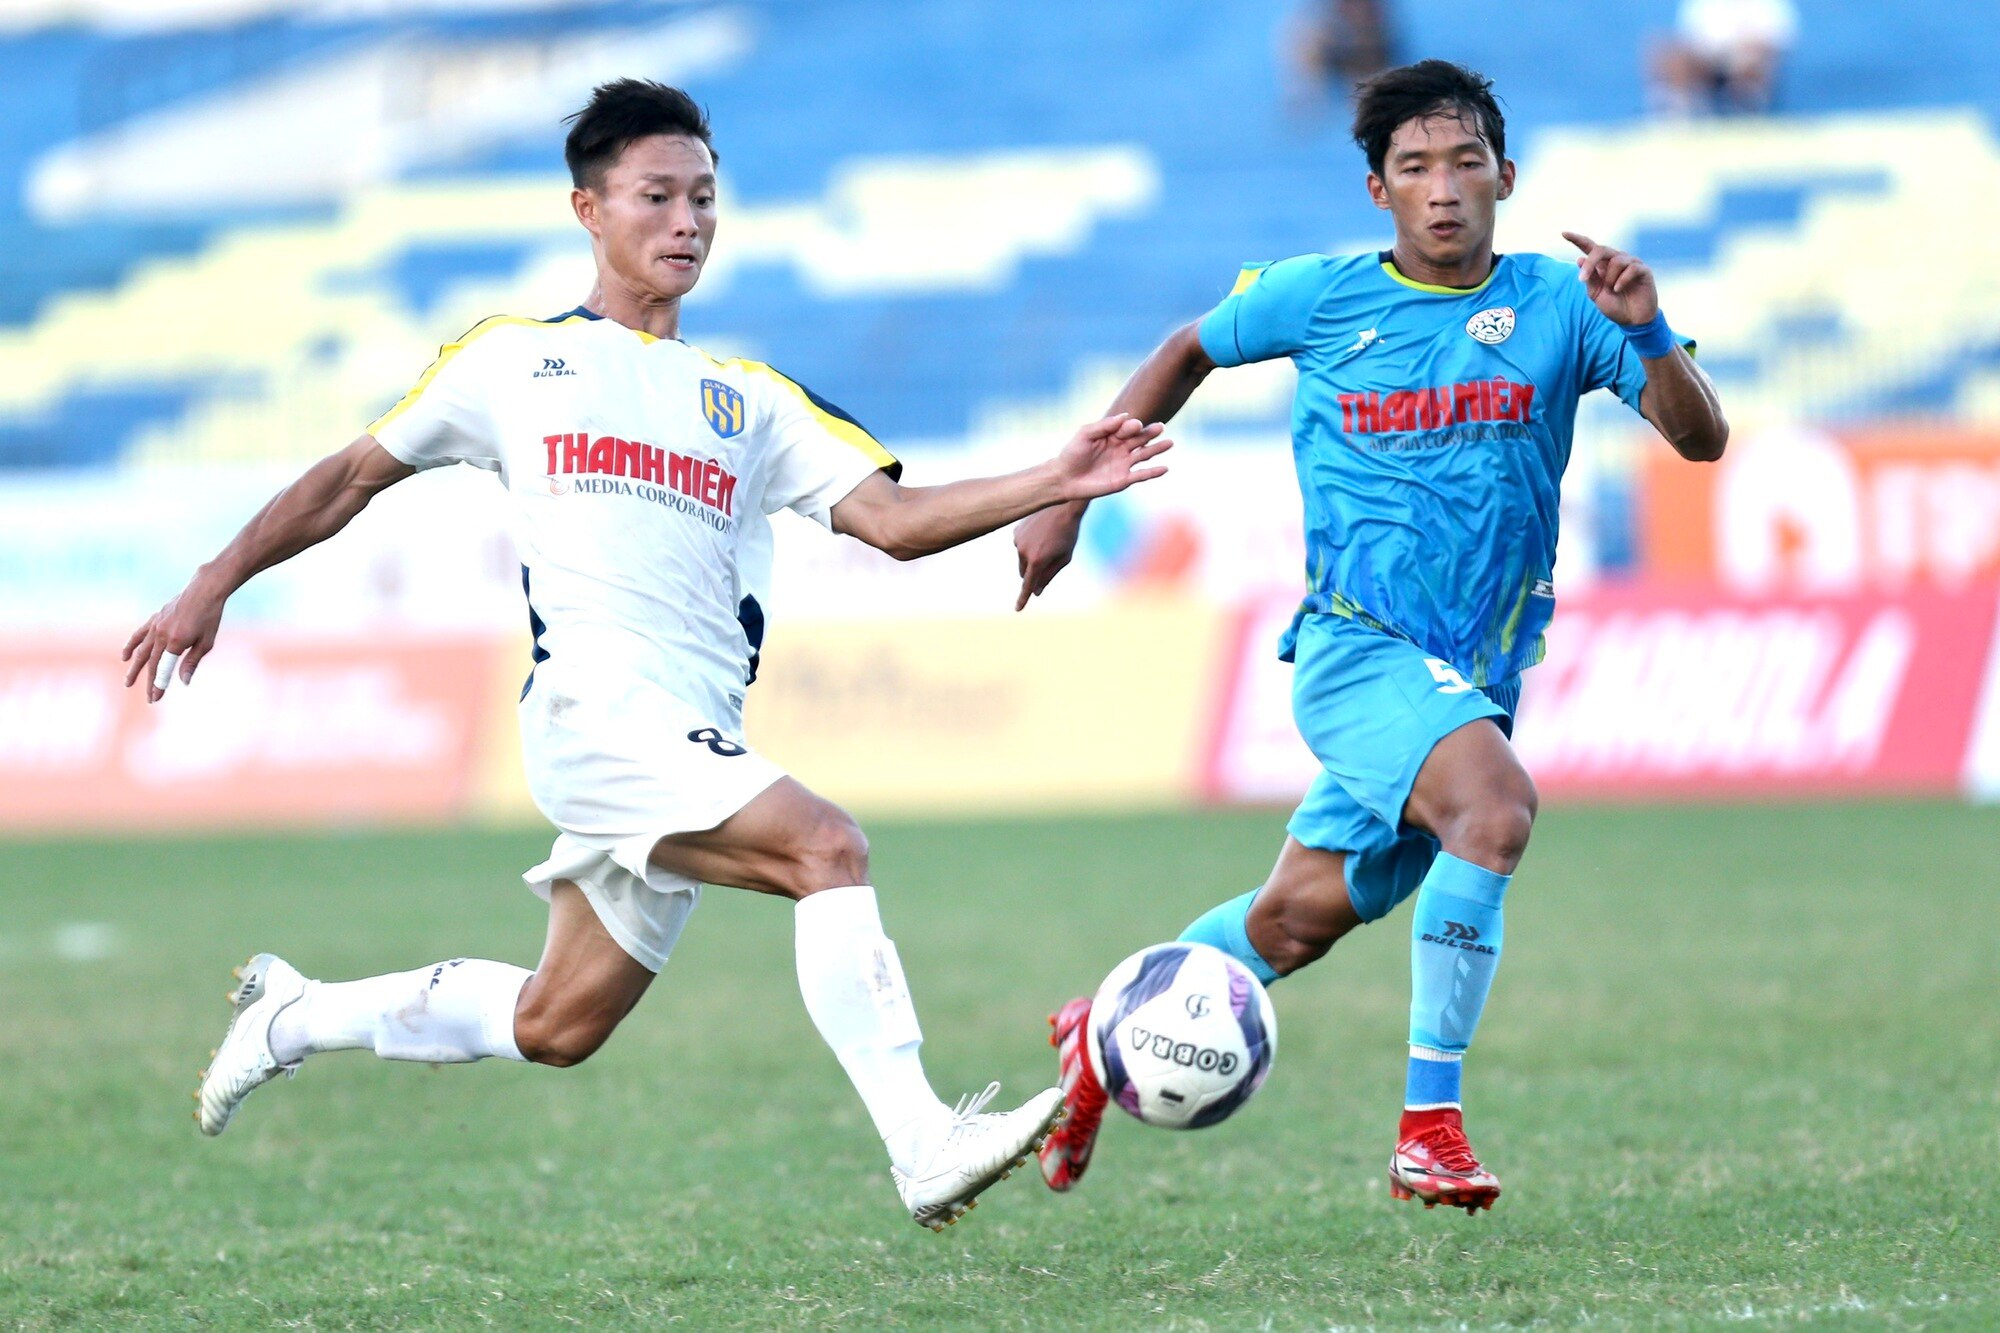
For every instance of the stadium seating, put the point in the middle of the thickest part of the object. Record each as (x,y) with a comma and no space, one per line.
(933,252)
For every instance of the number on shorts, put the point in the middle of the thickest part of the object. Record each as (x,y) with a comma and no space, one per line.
(717,742)
(1447,677)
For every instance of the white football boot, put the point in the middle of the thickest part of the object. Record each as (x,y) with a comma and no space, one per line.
(244,1063)
(975,1152)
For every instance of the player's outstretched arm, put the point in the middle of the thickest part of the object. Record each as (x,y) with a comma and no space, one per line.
(320,503)
(1679,399)
(911,521)
(1159,388)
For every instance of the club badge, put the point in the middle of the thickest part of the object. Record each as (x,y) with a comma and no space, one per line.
(1492,326)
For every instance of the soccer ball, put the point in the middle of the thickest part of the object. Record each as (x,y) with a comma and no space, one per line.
(1181,1035)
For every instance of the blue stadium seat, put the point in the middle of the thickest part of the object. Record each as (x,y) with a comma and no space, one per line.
(1186,88)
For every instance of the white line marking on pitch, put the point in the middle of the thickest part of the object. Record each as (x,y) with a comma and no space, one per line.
(85,941)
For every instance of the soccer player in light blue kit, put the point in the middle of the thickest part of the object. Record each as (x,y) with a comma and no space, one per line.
(1437,394)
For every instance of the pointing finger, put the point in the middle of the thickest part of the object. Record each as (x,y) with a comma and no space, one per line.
(1580,241)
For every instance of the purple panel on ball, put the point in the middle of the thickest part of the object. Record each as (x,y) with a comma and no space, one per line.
(1239,990)
(1116,1081)
(1156,973)
(1256,1041)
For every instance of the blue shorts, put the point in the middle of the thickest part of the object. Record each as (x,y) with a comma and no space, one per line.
(1371,706)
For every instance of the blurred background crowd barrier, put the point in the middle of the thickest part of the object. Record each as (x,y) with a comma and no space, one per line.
(233,231)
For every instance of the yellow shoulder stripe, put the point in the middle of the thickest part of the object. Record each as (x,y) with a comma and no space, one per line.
(452,349)
(1248,278)
(841,428)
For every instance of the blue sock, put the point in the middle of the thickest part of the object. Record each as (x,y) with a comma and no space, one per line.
(1226,927)
(1454,950)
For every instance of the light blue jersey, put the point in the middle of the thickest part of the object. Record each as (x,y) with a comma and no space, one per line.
(1431,428)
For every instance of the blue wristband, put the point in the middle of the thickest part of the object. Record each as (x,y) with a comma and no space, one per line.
(1652,339)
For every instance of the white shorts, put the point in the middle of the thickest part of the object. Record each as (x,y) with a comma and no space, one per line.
(617,763)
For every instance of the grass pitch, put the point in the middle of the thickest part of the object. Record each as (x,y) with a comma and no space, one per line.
(1741,1066)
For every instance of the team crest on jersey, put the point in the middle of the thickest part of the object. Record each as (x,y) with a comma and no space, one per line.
(1492,326)
(723,407)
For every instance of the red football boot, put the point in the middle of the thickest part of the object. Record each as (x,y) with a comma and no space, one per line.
(1067,1152)
(1434,1162)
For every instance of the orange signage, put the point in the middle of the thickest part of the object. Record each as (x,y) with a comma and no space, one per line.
(1803,509)
(272,731)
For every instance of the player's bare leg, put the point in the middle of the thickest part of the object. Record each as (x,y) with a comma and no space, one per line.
(1473,795)
(581,990)
(791,843)
(1301,911)
(451,1012)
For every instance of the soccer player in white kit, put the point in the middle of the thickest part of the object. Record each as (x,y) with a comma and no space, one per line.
(639,473)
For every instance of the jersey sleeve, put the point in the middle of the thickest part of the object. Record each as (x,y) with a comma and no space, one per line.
(818,453)
(1608,359)
(443,418)
(1266,315)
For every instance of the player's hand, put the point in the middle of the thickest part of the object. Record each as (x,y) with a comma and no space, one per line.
(1103,458)
(1619,284)
(1106,456)
(186,625)
(1045,543)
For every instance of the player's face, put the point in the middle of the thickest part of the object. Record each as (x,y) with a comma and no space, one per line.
(654,216)
(1441,182)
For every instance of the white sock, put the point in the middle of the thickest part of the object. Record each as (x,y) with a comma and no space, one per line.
(854,989)
(445,1014)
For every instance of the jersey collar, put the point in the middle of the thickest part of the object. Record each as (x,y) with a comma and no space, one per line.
(583,312)
(1388,261)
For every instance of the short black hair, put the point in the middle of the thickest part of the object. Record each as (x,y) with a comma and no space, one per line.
(1417,92)
(618,113)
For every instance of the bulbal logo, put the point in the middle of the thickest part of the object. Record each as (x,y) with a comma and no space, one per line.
(1458,935)
(723,407)
(551,367)
(1492,326)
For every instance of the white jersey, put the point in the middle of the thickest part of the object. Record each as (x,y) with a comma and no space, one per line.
(640,473)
